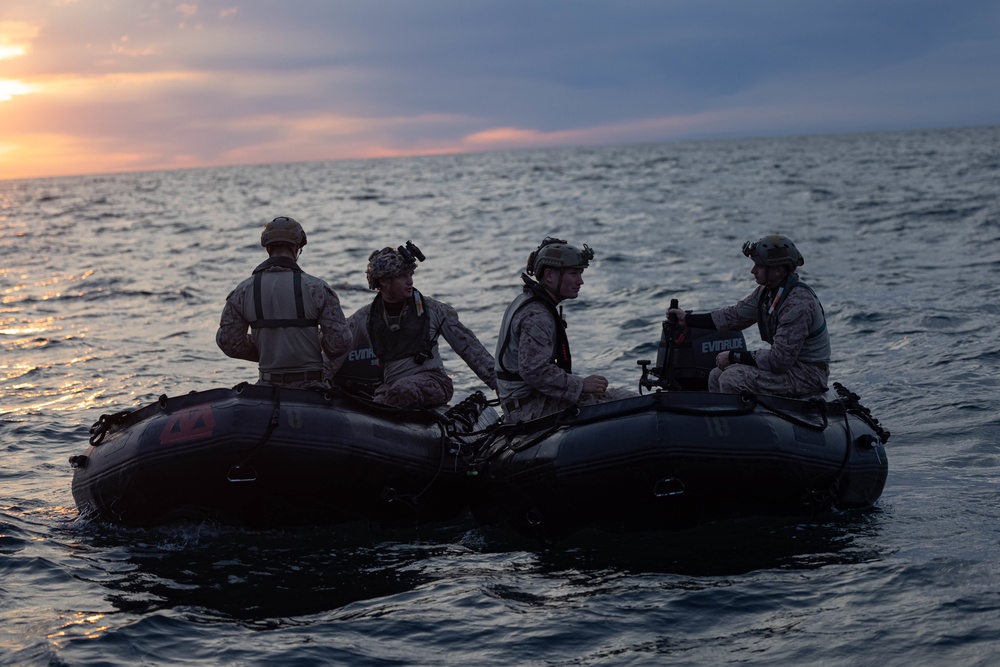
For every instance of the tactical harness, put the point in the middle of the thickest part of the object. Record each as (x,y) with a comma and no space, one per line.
(258,303)
(560,356)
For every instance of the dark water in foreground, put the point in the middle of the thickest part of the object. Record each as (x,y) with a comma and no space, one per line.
(111,290)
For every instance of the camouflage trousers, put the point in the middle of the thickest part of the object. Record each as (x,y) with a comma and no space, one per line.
(800,381)
(533,408)
(420,390)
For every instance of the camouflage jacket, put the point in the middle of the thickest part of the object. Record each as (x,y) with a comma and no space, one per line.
(444,322)
(799,330)
(283,349)
(533,335)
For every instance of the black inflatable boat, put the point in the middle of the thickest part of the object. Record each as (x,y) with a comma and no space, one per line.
(260,456)
(255,455)
(681,455)
(671,459)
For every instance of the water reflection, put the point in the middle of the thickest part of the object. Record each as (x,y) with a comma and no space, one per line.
(724,548)
(255,576)
(276,577)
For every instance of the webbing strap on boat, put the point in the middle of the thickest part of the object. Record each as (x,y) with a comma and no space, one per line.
(242,471)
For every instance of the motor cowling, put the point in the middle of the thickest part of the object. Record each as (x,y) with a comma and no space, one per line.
(694,356)
(686,355)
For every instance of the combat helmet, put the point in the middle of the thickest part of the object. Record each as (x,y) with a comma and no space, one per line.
(392,262)
(283,230)
(557,254)
(774,250)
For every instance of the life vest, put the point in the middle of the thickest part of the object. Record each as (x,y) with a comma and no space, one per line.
(510,384)
(283,319)
(260,321)
(408,338)
(816,348)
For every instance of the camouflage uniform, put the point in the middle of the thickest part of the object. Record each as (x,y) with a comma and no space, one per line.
(797,363)
(295,350)
(407,384)
(533,332)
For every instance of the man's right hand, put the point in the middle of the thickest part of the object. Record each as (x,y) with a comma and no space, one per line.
(679,314)
(594,384)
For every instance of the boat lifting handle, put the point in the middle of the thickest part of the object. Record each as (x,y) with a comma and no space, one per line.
(242,473)
(668,486)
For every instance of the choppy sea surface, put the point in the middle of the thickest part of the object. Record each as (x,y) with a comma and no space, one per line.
(111,291)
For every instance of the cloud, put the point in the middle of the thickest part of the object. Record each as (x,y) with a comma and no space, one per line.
(155,84)
(15,38)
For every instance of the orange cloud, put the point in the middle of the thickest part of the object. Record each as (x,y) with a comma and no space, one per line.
(119,87)
(15,37)
(328,137)
(500,136)
(643,129)
(28,149)
(35,154)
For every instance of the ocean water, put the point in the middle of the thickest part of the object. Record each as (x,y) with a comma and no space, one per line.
(110,292)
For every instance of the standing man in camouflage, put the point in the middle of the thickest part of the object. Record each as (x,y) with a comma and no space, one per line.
(534,365)
(403,327)
(789,317)
(293,318)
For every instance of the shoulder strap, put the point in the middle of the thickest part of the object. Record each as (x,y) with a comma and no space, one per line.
(504,373)
(300,319)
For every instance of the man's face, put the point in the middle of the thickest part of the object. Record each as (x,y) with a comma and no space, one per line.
(397,289)
(768,276)
(563,284)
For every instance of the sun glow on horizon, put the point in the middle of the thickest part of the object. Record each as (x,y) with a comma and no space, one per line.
(11,51)
(14,37)
(11,87)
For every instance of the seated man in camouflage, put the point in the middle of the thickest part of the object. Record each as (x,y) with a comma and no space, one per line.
(293,318)
(789,317)
(403,327)
(534,366)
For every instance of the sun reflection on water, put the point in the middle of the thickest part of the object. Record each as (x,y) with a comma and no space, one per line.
(89,623)
(23,289)
(29,376)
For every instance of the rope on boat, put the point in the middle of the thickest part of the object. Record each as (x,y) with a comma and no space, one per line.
(822,501)
(850,402)
(466,413)
(853,405)
(100,428)
(816,404)
(414,498)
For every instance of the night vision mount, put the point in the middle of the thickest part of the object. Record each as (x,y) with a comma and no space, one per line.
(411,253)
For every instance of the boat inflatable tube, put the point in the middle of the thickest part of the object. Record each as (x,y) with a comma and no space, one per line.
(672,459)
(262,456)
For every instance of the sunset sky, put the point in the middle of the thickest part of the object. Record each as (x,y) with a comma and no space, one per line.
(92,86)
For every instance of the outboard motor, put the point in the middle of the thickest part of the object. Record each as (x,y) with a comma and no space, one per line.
(687,355)
(360,373)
